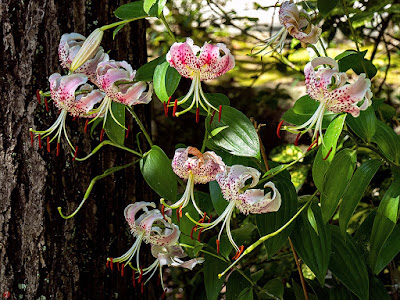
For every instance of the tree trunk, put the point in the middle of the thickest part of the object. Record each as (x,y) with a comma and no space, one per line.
(43,256)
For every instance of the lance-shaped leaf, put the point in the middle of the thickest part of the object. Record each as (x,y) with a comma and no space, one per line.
(364,125)
(239,138)
(340,293)
(336,179)
(237,287)
(212,266)
(388,142)
(389,250)
(274,289)
(135,11)
(314,249)
(157,171)
(384,223)
(347,263)
(270,222)
(115,131)
(355,190)
(217,199)
(326,6)
(166,80)
(377,290)
(146,72)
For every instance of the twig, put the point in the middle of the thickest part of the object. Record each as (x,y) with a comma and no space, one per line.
(296,259)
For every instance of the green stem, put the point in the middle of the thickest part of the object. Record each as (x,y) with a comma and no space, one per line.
(91,185)
(315,49)
(107,142)
(203,147)
(323,47)
(105,27)
(130,109)
(162,18)
(268,236)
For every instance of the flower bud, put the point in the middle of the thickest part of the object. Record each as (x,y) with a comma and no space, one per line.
(88,49)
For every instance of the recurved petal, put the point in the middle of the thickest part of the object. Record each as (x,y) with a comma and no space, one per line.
(62,88)
(84,103)
(308,38)
(178,162)
(158,231)
(67,41)
(182,57)
(254,201)
(132,209)
(190,264)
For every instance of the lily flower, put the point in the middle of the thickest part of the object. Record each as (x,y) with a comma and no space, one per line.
(239,195)
(200,168)
(199,64)
(328,86)
(151,227)
(117,80)
(294,22)
(68,49)
(72,95)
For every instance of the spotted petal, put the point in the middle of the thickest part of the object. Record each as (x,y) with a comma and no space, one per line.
(158,231)
(254,201)
(170,255)
(69,43)
(132,209)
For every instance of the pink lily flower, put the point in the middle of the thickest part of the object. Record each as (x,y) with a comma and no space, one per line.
(297,24)
(200,168)
(233,187)
(72,95)
(199,64)
(328,86)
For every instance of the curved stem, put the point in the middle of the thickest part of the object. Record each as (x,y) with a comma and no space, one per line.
(107,142)
(162,18)
(130,109)
(322,46)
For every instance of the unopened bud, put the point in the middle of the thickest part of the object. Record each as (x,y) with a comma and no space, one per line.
(88,49)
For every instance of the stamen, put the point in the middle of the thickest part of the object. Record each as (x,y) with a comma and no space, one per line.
(45,102)
(127,132)
(165,109)
(239,252)
(193,230)
(31,138)
(217,241)
(122,270)
(169,100)
(118,266)
(141,288)
(329,152)
(219,113)
(101,134)
(212,117)
(197,114)
(296,142)
(38,96)
(177,214)
(162,212)
(76,153)
(40,142)
(133,279)
(111,263)
(58,149)
(107,264)
(278,129)
(163,294)
(180,211)
(200,231)
(86,124)
(317,137)
(175,106)
(48,144)
(141,275)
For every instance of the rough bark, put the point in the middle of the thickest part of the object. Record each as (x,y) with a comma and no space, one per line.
(42,255)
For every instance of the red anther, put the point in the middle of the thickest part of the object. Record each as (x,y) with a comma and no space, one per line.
(122,270)
(74,118)
(111,263)
(200,231)
(177,214)
(165,109)
(296,142)
(31,133)
(101,134)
(175,107)
(58,149)
(163,294)
(86,124)
(212,117)
(219,113)
(209,221)
(48,144)
(118,266)
(40,141)
(133,279)
(278,129)
(107,264)
(127,132)
(329,152)
(193,230)
(38,96)
(141,288)
(240,251)
(217,241)
(197,114)
(45,102)
(6,294)
(76,153)
(141,275)
(163,211)
(317,138)
(180,212)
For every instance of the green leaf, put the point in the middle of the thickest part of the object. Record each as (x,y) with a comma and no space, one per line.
(326,6)
(384,223)
(114,131)
(364,125)
(135,11)
(347,263)
(272,221)
(166,80)
(212,266)
(340,293)
(146,72)
(236,285)
(305,106)
(294,118)
(364,232)
(365,65)
(148,4)
(336,179)
(389,250)
(357,186)
(349,59)
(274,289)
(117,29)
(388,142)
(314,250)
(157,172)
(311,219)
(319,168)
(217,199)
(299,293)
(377,290)
(240,138)
(331,137)
(215,99)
